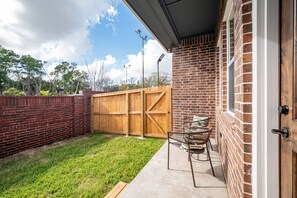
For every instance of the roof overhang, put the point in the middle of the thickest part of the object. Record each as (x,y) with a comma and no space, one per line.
(170,21)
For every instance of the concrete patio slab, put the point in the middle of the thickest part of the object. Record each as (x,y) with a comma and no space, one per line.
(155,180)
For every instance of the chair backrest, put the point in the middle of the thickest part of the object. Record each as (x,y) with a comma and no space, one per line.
(197,135)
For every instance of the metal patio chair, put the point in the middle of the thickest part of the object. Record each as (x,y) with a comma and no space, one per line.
(196,143)
(188,123)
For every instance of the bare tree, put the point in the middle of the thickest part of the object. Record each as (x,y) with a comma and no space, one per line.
(97,75)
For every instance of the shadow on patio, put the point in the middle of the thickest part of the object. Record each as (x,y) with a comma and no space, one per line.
(156,181)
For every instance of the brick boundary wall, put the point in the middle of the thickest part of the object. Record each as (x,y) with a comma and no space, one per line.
(32,121)
(193,79)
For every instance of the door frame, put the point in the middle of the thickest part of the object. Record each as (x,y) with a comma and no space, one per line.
(266,94)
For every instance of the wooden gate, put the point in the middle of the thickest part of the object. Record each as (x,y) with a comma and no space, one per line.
(142,112)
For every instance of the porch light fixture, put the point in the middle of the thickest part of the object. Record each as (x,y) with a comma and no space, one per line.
(126,67)
(159,60)
(143,38)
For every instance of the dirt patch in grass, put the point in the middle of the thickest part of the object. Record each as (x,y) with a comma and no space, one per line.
(34,151)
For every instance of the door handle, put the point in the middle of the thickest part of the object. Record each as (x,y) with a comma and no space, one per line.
(284,109)
(284,132)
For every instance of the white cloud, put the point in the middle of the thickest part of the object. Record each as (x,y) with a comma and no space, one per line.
(108,61)
(48,69)
(152,51)
(117,75)
(58,30)
(51,30)
(112,11)
(90,67)
(110,15)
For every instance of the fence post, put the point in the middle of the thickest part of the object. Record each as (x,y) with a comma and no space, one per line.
(127,112)
(142,113)
(169,113)
(92,114)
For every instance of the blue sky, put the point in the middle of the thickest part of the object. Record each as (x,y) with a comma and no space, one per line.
(99,31)
(118,38)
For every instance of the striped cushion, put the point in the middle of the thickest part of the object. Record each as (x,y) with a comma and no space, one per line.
(199,121)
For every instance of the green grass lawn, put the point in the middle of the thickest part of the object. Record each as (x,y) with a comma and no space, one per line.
(89,166)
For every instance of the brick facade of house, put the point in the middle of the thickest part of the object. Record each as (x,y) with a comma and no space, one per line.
(33,121)
(200,85)
(193,80)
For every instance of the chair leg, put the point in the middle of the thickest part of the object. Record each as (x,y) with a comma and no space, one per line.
(192,170)
(168,152)
(210,144)
(189,156)
(210,161)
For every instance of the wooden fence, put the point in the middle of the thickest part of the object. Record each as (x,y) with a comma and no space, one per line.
(143,112)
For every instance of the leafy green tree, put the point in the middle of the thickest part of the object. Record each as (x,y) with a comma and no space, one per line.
(8,60)
(129,86)
(149,81)
(80,80)
(25,73)
(111,88)
(152,80)
(46,85)
(13,92)
(29,72)
(124,87)
(69,79)
(62,76)
(45,93)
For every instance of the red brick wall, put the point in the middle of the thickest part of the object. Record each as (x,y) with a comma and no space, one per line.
(196,89)
(193,79)
(235,131)
(32,121)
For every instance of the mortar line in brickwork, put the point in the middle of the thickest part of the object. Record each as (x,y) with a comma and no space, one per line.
(247,113)
(250,123)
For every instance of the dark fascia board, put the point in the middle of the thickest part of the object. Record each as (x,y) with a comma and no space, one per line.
(169,17)
(151,14)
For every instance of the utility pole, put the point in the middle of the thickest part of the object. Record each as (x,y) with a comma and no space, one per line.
(143,39)
(126,67)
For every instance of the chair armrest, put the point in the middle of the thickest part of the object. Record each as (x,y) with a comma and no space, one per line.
(173,132)
(176,136)
(189,137)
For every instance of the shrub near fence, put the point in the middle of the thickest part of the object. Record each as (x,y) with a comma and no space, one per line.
(32,121)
